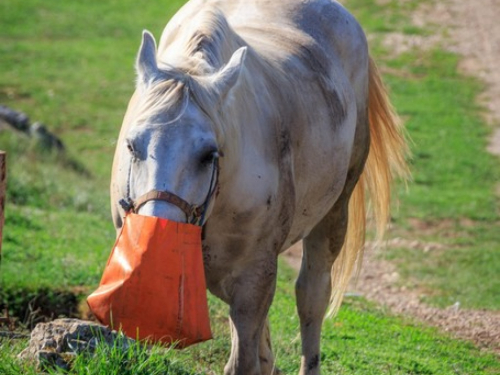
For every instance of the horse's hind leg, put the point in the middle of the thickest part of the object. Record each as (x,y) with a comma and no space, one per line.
(313,287)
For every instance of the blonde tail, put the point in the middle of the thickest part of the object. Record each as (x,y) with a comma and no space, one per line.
(386,160)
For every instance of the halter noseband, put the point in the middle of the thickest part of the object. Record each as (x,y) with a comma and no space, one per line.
(195,214)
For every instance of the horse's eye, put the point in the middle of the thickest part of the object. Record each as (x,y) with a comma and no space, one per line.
(130,148)
(209,157)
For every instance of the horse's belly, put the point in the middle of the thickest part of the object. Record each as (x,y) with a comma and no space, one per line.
(315,202)
(321,164)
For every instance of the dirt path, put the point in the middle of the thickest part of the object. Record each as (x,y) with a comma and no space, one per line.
(474,33)
(379,282)
(471,29)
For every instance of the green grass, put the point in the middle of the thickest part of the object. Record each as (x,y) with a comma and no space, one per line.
(109,360)
(454,182)
(362,339)
(454,176)
(454,179)
(70,65)
(390,17)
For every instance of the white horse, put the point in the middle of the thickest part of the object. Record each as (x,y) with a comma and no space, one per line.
(266,122)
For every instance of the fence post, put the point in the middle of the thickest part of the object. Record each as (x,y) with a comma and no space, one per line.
(3,175)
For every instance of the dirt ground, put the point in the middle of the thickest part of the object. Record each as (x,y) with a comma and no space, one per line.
(471,29)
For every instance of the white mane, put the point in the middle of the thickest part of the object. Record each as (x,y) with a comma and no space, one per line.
(210,44)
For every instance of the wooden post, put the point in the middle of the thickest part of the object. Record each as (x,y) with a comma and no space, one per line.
(3,175)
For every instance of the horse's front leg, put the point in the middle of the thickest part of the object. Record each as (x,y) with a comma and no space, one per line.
(266,356)
(251,289)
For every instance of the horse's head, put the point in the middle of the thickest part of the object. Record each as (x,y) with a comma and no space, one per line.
(174,142)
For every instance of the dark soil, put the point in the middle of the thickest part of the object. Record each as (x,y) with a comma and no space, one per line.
(26,308)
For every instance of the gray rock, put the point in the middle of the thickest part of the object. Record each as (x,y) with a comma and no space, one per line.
(37,131)
(56,343)
(45,138)
(18,120)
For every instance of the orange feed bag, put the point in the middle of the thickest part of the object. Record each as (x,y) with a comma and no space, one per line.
(153,287)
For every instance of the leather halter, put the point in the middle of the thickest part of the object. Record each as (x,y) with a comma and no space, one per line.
(194,213)
(189,209)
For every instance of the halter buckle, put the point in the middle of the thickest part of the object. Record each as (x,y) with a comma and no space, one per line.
(127,204)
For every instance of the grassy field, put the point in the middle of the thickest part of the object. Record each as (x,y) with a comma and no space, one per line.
(361,340)
(452,199)
(70,65)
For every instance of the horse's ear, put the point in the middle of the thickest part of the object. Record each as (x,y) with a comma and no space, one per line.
(228,76)
(146,65)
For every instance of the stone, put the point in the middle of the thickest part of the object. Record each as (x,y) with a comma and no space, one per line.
(44,138)
(18,120)
(57,343)
(37,131)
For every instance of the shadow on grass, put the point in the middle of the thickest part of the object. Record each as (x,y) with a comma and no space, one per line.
(28,307)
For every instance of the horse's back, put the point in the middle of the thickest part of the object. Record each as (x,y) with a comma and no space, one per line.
(281,25)
(302,39)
